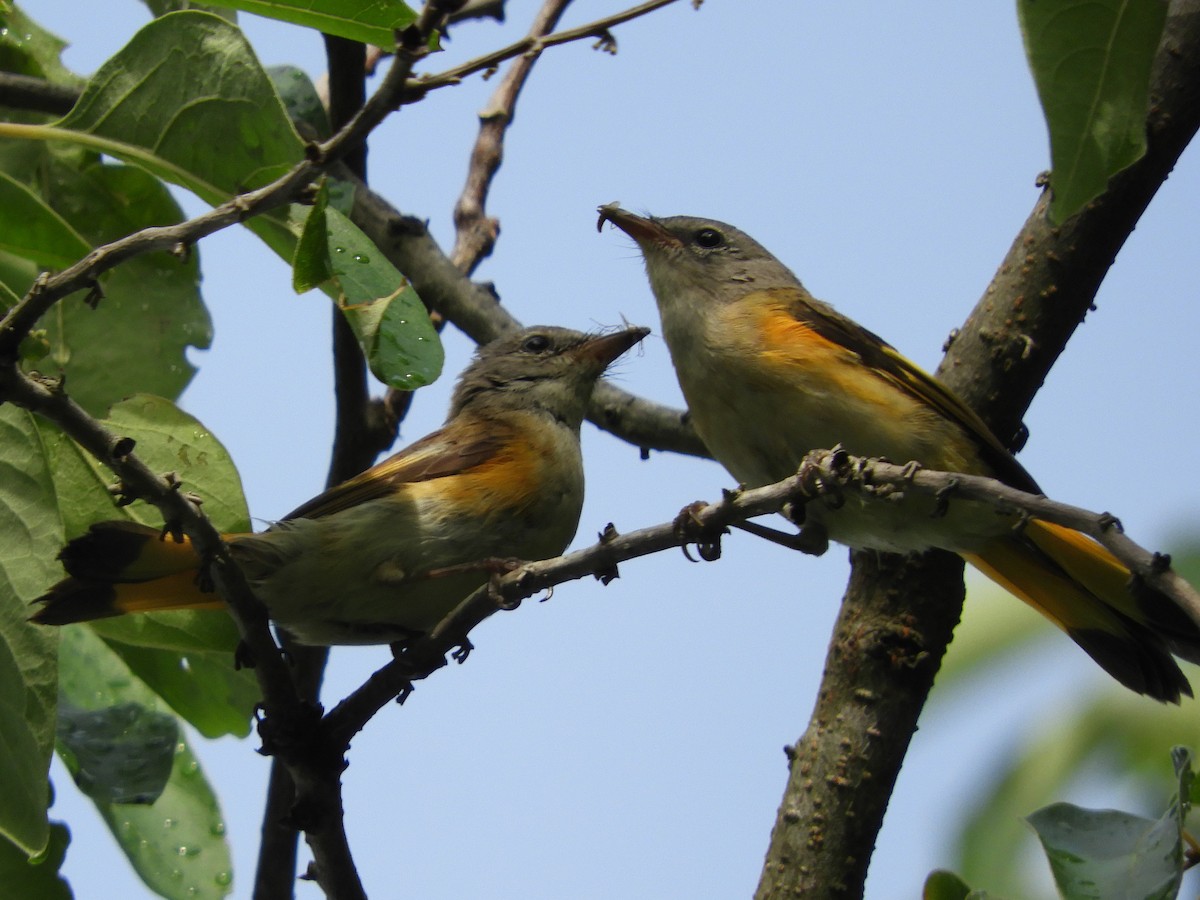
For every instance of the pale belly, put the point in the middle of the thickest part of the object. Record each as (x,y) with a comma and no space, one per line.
(772,432)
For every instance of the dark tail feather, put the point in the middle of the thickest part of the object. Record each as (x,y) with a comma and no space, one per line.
(1104,575)
(122,567)
(126,551)
(1083,589)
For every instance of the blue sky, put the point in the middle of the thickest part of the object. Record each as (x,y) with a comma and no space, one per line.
(627,741)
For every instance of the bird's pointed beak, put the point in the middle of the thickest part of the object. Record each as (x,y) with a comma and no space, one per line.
(604,348)
(643,229)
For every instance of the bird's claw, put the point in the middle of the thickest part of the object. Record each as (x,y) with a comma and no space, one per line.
(690,530)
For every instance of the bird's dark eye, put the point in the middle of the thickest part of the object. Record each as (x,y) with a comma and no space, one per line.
(536,343)
(709,238)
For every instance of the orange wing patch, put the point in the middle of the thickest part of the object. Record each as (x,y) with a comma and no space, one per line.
(809,362)
(512,475)
(810,347)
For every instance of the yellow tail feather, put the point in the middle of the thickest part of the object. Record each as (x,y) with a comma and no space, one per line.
(178,591)
(1085,590)
(123,567)
(126,551)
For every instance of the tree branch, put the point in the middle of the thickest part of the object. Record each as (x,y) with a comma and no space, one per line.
(898,613)
(83,275)
(475,233)
(598,29)
(406,242)
(288,727)
(36,94)
(355,445)
(822,474)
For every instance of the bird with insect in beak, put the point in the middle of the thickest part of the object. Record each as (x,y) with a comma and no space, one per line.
(770,373)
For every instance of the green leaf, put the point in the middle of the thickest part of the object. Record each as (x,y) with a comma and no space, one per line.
(943,885)
(28,49)
(369,21)
(1107,853)
(184,656)
(187,100)
(168,439)
(399,342)
(204,688)
(1181,759)
(119,754)
(1091,61)
(192,74)
(301,100)
(28,688)
(311,265)
(177,844)
(137,337)
(162,7)
(31,228)
(183,631)
(38,877)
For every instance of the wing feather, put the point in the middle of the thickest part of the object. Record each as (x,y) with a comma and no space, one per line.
(892,366)
(444,452)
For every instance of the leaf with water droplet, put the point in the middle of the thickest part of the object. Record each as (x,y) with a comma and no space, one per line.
(29,49)
(393,329)
(186,814)
(119,754)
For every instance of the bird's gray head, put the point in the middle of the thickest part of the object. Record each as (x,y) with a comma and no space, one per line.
(545,368)
(690,259)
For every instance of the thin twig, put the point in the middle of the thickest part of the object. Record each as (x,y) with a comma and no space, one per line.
(822,472)
(598,29)
(475,233)
(45,398)
(48,289)
(407,243)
